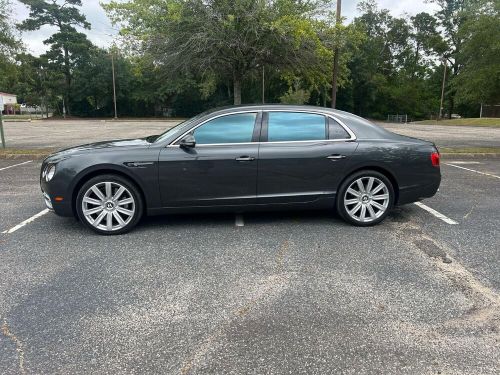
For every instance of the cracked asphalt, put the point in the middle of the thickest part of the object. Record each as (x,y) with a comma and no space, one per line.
(288,292)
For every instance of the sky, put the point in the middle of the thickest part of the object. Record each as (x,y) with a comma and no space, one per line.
(102,32)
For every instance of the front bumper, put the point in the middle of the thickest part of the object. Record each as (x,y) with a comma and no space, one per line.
(52,190)
(48,201)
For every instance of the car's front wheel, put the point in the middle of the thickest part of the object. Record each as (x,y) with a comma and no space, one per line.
(109,204)
(365,198)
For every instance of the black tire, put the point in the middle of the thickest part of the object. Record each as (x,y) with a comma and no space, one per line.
(342,198)
(131,192)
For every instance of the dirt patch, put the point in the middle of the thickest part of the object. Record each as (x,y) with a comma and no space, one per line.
(432,250)
(484,315)
(19,345)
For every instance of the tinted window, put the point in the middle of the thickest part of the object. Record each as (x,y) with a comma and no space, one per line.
(336,131)
(295,126)
(179,128)
(237,128)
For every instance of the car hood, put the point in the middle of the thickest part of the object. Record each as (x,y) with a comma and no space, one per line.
(100,146)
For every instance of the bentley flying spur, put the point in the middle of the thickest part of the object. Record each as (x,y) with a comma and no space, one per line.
(243,158)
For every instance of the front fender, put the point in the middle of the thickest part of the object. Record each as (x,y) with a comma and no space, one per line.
(140,166)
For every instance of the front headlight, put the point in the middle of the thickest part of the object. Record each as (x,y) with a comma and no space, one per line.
(49,172)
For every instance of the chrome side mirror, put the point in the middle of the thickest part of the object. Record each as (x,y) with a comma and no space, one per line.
(188,141)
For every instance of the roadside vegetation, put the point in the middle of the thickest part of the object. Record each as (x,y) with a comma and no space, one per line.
(36,153)
(179,57)
(488,122)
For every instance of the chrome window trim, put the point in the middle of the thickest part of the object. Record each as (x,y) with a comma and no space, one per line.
(171,144)
(317,112)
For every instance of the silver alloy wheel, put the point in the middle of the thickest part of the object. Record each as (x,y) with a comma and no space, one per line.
(366,199)
(108,206)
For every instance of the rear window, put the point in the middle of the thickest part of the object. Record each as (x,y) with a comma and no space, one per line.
(295,126)
(336,131)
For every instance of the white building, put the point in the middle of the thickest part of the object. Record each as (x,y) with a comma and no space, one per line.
(8,100)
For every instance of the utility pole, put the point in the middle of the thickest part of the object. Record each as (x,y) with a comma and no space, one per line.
(263,86)
(442,90)
(1,122)
(338,21)
(114,86)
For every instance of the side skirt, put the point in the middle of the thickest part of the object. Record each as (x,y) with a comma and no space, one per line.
(320,203)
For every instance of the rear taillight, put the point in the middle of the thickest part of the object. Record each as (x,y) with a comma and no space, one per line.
(435,159)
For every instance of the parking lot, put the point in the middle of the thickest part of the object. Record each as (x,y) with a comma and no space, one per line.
(64,133)
(262,293)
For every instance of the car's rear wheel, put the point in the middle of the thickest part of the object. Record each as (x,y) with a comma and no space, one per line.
(109,204)
(365,198)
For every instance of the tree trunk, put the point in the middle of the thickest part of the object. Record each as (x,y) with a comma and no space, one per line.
(67,73)
(338,21)
(335,77)
(451,105)
(417,58)
(237,89)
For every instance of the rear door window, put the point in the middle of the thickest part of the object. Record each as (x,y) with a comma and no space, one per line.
(296,126)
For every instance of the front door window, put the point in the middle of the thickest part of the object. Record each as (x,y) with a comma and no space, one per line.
(237,128)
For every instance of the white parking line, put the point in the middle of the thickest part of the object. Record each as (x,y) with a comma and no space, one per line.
(15,165)
(472,170)
(238,220)
(27,221)
(466,162)
(439,215)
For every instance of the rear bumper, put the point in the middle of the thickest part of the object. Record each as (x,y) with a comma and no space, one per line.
(419,192)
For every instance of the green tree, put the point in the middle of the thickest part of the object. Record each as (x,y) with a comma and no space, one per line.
(9,46)
(426,38)
(479,79)
(8,39)
(452,17)
(222,40)
(67,45)
(391,68)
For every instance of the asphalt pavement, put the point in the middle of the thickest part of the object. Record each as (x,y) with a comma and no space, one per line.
(286,292)
(449,136)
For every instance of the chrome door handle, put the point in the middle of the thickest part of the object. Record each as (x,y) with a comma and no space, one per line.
(336,157)
(245,158)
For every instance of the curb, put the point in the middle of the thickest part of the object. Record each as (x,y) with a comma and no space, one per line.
(24,156)
(470,155)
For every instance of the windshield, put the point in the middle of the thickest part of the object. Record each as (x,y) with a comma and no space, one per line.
(178,129)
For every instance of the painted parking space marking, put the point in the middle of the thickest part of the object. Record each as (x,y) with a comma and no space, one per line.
(15,165)
(25,222)
(238,220)
(437,214)
(465,162)
(472,170)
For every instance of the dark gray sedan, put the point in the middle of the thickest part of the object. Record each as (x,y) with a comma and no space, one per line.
(241,159)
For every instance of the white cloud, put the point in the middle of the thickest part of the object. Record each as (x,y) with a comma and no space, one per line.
(102,31)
